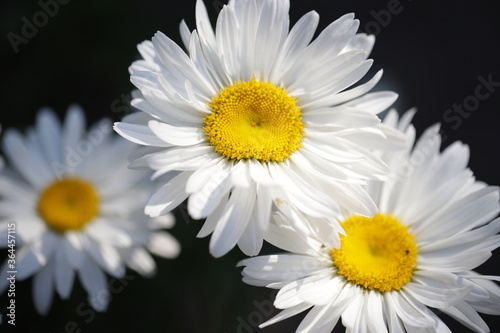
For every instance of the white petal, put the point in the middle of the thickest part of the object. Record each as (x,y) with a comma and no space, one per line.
(173,57)
(298,38)
(283,234)
(214,217)
(477,239)
(214,174)
(105,231)
(43,289)
(341,118)
(394,323)
(164,244)
(73,249)
(48,131)
(94,282)
(353,317)
(287,313)
(203,24)
(165,221)
(74,126)
(375,102)
(139,134)
(141,261)
(466,315)
(433,261)
(31,227)
(321,319)
(260,173)
(355,92)
(168,196)
(279,268)
(332,39)
(273,17)
(27,160)
(361,42)
(300,192)
(408,310)
(309,290)
(106,256)
(176,135)
(464,213)
(226,39)
(36,255)
(205,200)
(176,158)
(64,275)
(159,106)
(240,174)
(251,240)
(233,221)
(329,93)
(374,312)
(263,208)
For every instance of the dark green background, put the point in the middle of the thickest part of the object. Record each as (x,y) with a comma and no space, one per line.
(432,54)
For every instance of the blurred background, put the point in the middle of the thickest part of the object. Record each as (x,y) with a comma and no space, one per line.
(434,54)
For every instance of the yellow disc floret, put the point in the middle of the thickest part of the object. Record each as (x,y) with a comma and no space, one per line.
(254,119)
(68,204)
(377,253)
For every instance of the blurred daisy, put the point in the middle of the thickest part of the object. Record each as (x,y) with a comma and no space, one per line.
(1,158)
(77,209)
(254,113)
(433,228)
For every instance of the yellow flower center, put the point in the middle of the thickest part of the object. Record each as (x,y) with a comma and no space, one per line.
(377,253)
(254,119)
(68,204)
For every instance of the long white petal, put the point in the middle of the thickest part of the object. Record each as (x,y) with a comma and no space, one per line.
(43,289)
(168,196)
(233,221)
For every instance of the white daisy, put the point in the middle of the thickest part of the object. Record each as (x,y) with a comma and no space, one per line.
(76,209)
(254,113)
(1,158)
(418,253)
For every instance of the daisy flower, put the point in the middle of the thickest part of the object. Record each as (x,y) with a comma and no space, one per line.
(77,209)
(1,158)
(254,112)
(434,227)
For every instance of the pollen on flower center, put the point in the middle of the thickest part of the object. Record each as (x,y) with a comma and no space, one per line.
(68,204)
(254,119)
(377,253)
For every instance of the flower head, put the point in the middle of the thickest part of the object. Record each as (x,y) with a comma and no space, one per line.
(76,209)
(387,272)
(1,158)
(256,112)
